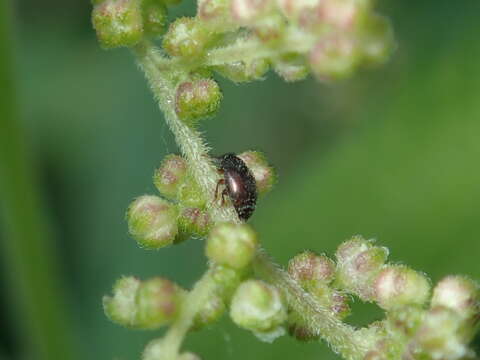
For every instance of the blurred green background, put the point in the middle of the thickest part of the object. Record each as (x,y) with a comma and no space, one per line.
(393,154)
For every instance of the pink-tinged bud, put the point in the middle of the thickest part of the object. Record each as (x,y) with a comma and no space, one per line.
(270,29)
(152,221)
(246,11)
(334,58)
(118,22)
(186,37)
(458,293)
(309,269)
(210,312)
(339,304)
(398,285)
(197,99)
(263,173)
(170,175)
(358,263)
(440,336)
(293,9)
(158,302)
(342,14)
(121,307)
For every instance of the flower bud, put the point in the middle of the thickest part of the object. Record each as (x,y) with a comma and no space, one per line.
(152,221)
(194,221)
(406,319)
(186,37)
(358,262)
(263,173)
(232,245)
(397,285)
(241,71)
(210,312)
(291,68)
(121,308)
(439,337)
(246,11)
(258,306)
(189,193)
(457,293)
(334,58)
(217,14)
(342,14)
(197,99)
(227,281)
(309,269)
(170,175)
(158,301)
(377,41)
(270,29)
(154,17)
(118,22)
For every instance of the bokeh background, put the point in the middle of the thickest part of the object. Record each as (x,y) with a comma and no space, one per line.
(393,154)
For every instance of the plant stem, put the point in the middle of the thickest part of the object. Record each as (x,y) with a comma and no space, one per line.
(340,336)
(27,254)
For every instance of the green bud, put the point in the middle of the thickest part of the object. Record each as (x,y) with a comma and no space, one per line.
(440,336)
(291,68)
(154,17)
(263,173)
(194,221)
(210,312)
(398,285)
(197,99)
(309,269)
(227,280)
(170,175)
(186,37)
(258,306)
(334,58)
(152,221)
(189,193)
(232,245)
(158,301)
(118,22)
(121,308)
(358,263)
(458,293)
(377,40)
(244,71)
(216,13)
(406,320)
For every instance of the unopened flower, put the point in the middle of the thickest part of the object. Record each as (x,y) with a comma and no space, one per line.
(121,307)
(398,285)
(258,306)
(154,17)
(242,71)
(458,293)
(263,173)
(152,221)
(118,22)
(231,244)
(197,99)
(194,221)
(309,269)
(170,175)
(186,37)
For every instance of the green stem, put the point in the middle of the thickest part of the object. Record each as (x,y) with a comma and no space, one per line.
(340,336)
(28,256)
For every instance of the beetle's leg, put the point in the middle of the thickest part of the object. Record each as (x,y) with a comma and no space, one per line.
(219,182)
(224,192)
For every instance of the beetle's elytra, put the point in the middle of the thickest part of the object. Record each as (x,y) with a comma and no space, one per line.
(239,183)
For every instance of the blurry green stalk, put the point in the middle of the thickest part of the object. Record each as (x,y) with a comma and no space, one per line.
(26,253)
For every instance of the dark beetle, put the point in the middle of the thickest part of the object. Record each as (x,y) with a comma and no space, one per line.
(239,184)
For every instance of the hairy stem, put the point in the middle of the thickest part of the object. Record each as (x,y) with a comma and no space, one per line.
(337,334)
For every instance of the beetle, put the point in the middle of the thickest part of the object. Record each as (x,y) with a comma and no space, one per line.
(240,185)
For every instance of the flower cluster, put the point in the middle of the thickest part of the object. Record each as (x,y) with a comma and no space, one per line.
(419,323)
